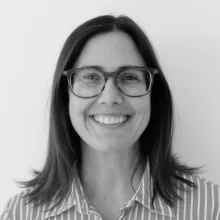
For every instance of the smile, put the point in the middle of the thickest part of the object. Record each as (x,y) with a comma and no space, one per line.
(111,122)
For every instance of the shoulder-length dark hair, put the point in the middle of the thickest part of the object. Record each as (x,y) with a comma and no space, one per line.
(64,152)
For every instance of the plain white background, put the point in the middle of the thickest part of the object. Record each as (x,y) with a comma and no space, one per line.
(186,38)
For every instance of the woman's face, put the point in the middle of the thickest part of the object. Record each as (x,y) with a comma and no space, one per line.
(109,50)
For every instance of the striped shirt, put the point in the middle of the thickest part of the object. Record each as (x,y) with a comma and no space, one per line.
(201,204)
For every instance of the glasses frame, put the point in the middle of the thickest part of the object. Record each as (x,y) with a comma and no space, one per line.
(114,74)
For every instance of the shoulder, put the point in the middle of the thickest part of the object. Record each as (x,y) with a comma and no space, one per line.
(204,186)
(205,189)
(205,197)
(16,207)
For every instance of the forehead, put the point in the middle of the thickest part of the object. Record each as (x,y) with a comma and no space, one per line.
(110,50)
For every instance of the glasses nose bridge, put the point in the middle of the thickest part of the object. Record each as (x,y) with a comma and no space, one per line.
(111,93)
(107,75)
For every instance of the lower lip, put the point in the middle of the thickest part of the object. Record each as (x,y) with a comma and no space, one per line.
(113,125)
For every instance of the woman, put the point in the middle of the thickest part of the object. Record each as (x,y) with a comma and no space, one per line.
(110,141)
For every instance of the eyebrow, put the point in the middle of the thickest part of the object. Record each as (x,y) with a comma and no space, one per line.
(102,68)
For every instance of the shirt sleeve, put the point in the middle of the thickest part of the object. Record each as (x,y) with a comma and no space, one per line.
(5,214)
(216,211)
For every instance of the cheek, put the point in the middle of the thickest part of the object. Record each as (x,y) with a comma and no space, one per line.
(143,107)
(143,112)
(77,112)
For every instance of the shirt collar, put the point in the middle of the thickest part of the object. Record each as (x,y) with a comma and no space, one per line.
(143,195)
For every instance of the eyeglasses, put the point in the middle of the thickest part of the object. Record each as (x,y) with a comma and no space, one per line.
(90,81)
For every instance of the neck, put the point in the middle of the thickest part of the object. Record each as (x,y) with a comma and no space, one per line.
(109,170)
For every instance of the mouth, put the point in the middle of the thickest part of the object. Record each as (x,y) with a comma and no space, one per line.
(113,125)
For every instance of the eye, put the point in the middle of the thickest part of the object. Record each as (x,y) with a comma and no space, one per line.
(130,77)
(91,77)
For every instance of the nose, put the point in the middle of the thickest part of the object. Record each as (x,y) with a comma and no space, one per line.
(110,94)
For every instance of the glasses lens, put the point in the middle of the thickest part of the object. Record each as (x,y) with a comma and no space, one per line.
(89,82)
(134,82)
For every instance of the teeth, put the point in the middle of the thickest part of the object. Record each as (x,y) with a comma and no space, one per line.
(110,120)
